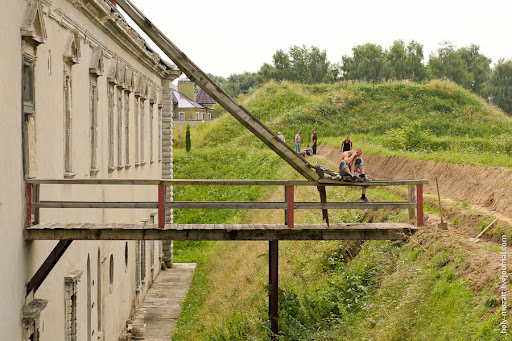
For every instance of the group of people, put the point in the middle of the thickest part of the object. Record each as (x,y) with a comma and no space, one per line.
(351,164)
(309,150)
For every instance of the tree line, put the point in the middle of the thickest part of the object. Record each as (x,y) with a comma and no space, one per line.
(466,66)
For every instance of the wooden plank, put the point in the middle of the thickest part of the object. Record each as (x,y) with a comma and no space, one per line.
(225,182)
(226,205)
(356,231)
(354,205)
(94,204)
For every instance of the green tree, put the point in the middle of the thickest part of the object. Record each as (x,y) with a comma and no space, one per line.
(415,70)
(478,65)
(367,63)
(499,85)
(465,66)
(188,143)
(396,59)
(449,64)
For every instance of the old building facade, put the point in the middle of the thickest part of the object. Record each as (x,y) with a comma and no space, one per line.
(83,97)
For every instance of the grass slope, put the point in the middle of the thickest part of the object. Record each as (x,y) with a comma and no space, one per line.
(438,120)
(425,289)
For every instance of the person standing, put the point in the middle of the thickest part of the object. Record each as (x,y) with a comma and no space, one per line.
(314,142)
(297,142)
(281,136)
(346,145)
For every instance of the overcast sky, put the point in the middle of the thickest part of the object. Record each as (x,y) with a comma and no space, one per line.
(227,36)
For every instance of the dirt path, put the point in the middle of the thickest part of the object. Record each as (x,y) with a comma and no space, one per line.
(162,305)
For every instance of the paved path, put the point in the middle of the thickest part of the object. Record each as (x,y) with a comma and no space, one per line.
(162,305)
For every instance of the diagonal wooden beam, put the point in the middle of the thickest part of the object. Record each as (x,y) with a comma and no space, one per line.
(196,75)
(47,266)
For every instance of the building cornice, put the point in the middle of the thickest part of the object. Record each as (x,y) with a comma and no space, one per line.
(111,23)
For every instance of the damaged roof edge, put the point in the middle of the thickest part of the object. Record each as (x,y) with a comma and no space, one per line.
(168,65)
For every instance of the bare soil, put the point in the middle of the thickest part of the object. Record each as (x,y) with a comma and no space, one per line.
(487,188)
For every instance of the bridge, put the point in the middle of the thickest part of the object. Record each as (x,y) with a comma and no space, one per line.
(289,230)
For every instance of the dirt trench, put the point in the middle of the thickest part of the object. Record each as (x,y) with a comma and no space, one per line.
(486,187)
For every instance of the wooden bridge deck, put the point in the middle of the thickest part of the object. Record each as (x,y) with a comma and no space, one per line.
(362,231)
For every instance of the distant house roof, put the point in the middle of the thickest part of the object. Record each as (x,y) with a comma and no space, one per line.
(181,101)
(203,98)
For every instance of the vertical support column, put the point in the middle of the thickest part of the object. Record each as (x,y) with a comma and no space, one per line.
(411,201)
(28,204)
(161,206)
(273,282)
(290,210)
(167,167)
(419,204)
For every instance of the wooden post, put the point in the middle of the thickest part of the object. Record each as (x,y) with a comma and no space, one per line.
(411,200)
(291,204)
(161,206)
(28,203)
(419,204)
(273,301)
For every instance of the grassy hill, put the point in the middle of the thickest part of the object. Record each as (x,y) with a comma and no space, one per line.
(438,118)
(432,287)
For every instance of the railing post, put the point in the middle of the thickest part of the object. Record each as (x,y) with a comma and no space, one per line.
(410,198)
(291,204)
(419,205)
(273,299)
(161,206)
(28,203)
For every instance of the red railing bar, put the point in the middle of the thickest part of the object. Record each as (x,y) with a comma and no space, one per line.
(419,205)
(28,201)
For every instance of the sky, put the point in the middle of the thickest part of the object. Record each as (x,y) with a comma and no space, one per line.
(226,36)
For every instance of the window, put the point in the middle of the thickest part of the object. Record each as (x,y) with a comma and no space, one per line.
(29,134)
(151,123)
(28,88)
(31,317)
(138,285)
(93,108)
(68,170)
(142,119)
(111,273)
(143,261)
(70,304)
(99,292)
(119,128)
(111,93)
(127,127)
(126,256)
(182,116)
(136,120)
(159,132)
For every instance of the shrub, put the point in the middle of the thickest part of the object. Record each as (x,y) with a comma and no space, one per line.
(188,143)
(410,136)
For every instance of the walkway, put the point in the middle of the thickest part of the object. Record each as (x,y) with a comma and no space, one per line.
(162,305)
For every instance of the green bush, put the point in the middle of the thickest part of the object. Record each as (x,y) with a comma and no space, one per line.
(411,136)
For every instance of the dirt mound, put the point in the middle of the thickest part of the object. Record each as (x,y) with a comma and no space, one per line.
(490,188)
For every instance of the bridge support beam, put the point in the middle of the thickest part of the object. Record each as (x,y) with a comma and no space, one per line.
(273,301)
